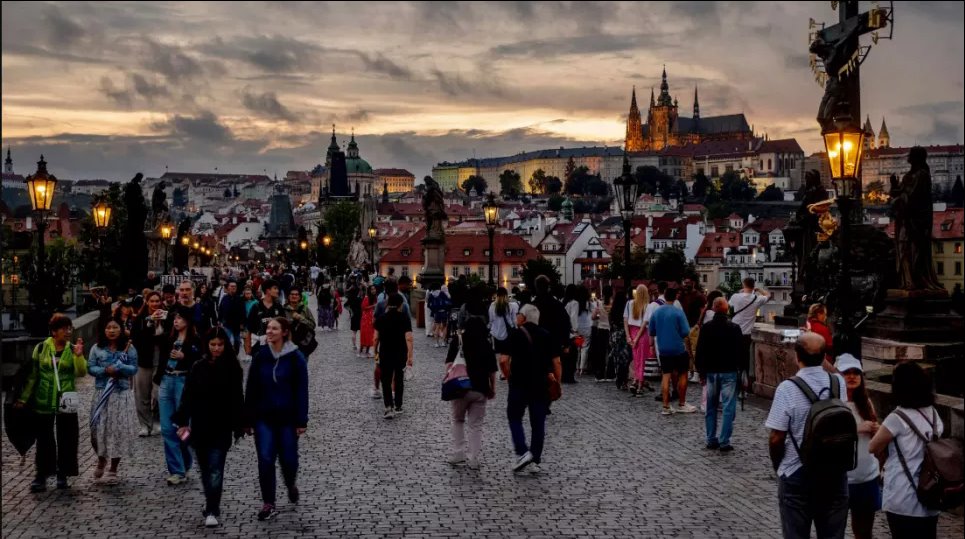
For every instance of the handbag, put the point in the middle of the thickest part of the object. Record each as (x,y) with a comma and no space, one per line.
(456,382)
(69,401)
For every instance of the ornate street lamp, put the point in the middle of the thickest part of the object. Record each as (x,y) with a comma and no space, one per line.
(40,188)
(626,190)
(844,144)
(491,213)
(166,231)
(372,233)
(327,241)
(102,218)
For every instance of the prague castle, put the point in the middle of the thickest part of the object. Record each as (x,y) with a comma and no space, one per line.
(665,127)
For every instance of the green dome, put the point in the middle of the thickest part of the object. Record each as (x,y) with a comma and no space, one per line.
(357,166)
(567,203)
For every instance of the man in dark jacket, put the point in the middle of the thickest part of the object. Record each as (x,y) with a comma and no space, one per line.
(553,318)
(718,349)
(533,361)
(231,312)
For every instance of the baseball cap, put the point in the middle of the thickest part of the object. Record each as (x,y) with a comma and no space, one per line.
(847,362)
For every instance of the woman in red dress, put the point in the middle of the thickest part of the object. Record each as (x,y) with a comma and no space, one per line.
(818,323)
(367,331)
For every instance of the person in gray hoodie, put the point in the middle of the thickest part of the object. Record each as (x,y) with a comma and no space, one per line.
(276,410)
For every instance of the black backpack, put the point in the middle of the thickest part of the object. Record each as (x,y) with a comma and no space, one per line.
(830,443)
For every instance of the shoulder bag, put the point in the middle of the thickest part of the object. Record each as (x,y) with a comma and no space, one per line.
(69,401)
(456,382)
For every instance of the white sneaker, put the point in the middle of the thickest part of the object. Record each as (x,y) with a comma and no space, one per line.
(156,430)
(473,464)
(524,460)
(210,521)
(455,460)
(144,432)
(667,411)
(176,479)
(389,413)
(687,408)
(534,469)
(374,393)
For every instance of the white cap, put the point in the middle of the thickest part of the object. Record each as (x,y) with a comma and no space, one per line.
(847,362)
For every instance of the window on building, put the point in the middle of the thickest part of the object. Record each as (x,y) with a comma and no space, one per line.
(958,248)
(405,270)
(958,268)
(465,271)
(729,168)
(768,164)
(939,247)
(700,170)
(465,252)
(406,252)
(515,271)
(940,268)
(556,262)
(455,271)
(713,172)
(703,277)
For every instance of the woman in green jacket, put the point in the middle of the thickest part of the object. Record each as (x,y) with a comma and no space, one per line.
(55,366)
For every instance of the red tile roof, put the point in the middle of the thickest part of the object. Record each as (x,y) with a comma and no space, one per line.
(715,245)
(948,224)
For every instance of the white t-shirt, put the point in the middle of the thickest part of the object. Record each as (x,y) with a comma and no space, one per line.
(628,315)
(898,496)
(789,411)
(867,468)
(745,316)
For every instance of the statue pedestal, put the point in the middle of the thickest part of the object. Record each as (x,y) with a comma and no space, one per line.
(433,270)
(922,316)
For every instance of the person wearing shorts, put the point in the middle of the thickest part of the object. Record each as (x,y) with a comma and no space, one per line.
(669,325)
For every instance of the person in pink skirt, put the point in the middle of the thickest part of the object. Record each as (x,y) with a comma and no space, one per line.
(637,337)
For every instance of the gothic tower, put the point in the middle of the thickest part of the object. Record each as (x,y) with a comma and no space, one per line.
(884,140)
(634,138)
(869,135)
(662,117)
(8,164)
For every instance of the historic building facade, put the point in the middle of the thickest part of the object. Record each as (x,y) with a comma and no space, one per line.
(665,127)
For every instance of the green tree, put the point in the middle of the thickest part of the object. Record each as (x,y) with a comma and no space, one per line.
(652,180)
(734,186)
(342,223)
(771,193)
(553,185)
(537,183)
(477,183)
(671,265)
(555,202)
(570,169)
(680,189)
(510,184)
(958,193)
(534,267)
(641,263)
(701,185)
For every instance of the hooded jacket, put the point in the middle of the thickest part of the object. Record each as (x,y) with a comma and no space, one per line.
(277,389)
(40,389)
(212,403)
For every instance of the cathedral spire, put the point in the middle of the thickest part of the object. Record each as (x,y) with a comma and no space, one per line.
(633,101)
(696,105)
(869,134)
(665,99)
(634,137)
(8,163)
(884,140)
(651,97)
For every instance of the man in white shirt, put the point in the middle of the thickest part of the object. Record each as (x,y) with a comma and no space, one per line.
(801,499)
(745,304)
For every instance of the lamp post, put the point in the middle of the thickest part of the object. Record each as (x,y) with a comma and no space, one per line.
(491,213)
(166,231)
(372,232)
(40,188)
(626,191)
(844,145)
(102,218)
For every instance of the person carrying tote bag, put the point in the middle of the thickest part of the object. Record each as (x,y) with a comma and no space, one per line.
(470,359)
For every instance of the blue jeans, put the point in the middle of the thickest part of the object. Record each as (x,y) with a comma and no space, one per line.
(275,442)
(176,453)
(721,387)
(234,338)
(803,500)
(517,403)
(211,462)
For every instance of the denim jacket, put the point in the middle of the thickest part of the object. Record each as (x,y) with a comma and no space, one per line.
(101,358)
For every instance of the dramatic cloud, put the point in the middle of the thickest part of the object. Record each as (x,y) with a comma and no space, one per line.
(105,87)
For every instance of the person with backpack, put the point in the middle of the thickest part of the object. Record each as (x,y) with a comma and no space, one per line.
(303,323)
(439,305)
(502,318)
(902,441)
(812,444)
(864,491)
(473,344)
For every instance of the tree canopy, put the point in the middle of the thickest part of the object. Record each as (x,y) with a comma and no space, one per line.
(510,184)
(734,186)
(534,267)
(476,183)
(581,182)
(771,193)
(537,182)
(701,185)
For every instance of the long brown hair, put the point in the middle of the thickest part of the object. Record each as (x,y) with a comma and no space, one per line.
(862,402)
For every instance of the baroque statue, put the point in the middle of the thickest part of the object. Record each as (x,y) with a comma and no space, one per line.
(357,255)
(911,206)
(805,221)
(434,207)
(159,205)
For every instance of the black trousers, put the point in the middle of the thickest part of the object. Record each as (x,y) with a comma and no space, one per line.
(57,438)
(392,369)
(568,363)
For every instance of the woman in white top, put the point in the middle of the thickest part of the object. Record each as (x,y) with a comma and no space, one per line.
(637,338)
(864,492)
(502,318)
(911,389)
(600,342)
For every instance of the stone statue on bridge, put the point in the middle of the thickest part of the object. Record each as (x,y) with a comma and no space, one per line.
(912,209)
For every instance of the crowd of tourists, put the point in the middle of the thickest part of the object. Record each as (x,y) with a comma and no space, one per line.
(169,361)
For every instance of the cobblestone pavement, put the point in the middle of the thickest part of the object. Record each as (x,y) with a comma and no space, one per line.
(613,467)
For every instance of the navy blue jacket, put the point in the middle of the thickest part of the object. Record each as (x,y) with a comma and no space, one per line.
(277,389)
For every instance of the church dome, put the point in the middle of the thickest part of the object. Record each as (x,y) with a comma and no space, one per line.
(567,203)
(357,165)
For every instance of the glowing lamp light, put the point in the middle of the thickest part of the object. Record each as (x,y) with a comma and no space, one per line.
(185,240)
(196,245)
(491,211)
(166,231)
(303,245)
(327,240)
(41,186)
(102,215)
(372,232)
(844,145)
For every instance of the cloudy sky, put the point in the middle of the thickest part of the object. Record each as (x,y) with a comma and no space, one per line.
(109,89)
